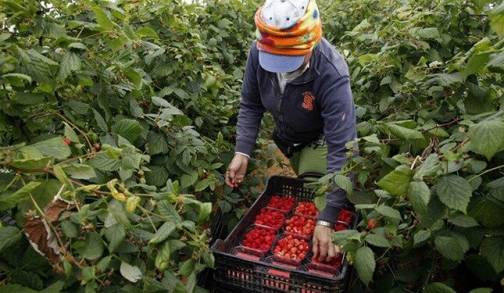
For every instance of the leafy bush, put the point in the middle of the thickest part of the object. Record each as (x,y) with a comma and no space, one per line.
(117,120)
(121,111)
(427,78)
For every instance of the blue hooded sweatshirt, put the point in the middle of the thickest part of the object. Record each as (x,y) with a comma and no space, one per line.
(329,111)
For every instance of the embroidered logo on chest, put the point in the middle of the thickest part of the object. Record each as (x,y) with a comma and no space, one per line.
(308,100)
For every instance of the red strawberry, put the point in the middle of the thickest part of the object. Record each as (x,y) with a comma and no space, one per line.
(371,224)
(291,248)
(270,218)
(283,203)
(307,209)
(300,226)
(345,216)
(67,141)
(259,239)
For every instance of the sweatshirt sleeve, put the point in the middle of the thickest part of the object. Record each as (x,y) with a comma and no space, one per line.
(251,108)
(338,113)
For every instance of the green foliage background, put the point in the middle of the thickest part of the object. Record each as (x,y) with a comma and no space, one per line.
(128,108)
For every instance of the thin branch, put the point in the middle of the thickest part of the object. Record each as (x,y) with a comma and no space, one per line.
(485,172)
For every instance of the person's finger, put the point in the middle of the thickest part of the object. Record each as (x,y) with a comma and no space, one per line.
(323,245)
(337,249)
(239,178)
(315,248)
(227,179)
(232,175)
(330,252)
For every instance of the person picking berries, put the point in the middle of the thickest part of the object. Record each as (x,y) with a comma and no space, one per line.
(298,76)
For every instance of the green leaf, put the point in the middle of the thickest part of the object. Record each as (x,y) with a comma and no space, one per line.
(102,19)
(419,195)
(156,143)
(452,246)
(389,212)
(11,200)
(428,168)
(8,236)
(70,133)
(117,212)
(204,211)
(454,191)
(438,288)
(130,273)
(70,63)
(17,77)
(80,171)
(62,176)
(486,137)
(187,267)
(492,249)
(163,232)
(166,209)
(103,264)
(497,19)
(481,290)
(53,147)
(377,240)
(157,176)
(92,247)
(344,235)
(344,183)
(69,229)
(31,164)
(421,236)
(100,121)
(88,274)
(105,163)
(397,181)
(56,287)
(365,264)
(115,235)
(187,180)
(163,256)
(320,202)
(487,212)
(128,128)
(203,184)
(403,132)
(463,221)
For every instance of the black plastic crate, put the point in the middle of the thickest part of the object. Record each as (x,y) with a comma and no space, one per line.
(259,275)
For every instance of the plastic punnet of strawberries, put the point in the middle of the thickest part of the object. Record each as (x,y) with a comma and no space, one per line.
(300,225)
(259,239)
(283,203)
(291,248)
(306,208)
(270,218)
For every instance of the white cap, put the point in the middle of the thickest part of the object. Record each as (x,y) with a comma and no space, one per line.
(283,14)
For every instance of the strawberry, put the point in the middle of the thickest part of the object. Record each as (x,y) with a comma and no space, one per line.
(340,227)
(334,262)
(300,225)
(291,248)
(67,141)
(307,209)
(283,203)
(259,239)
(371,224)
(345,216)
(270,218)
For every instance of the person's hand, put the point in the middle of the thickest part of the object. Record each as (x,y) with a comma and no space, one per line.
(236,170)
(323,248)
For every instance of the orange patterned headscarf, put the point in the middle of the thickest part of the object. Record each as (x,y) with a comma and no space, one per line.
(298,40)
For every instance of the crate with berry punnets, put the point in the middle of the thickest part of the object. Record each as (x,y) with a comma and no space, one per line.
(270,249)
